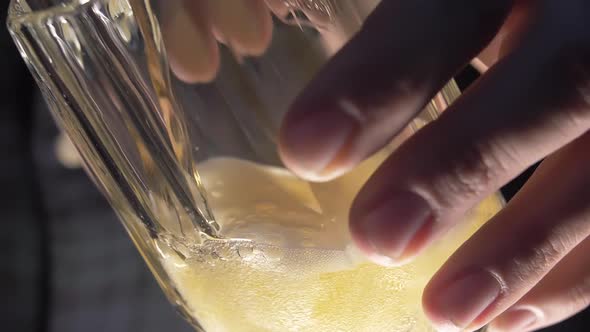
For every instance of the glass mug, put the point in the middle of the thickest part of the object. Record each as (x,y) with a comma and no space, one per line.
(176,122)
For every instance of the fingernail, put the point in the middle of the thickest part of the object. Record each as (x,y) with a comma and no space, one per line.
(391,227)
(310,143)
(515,320)
(466,298)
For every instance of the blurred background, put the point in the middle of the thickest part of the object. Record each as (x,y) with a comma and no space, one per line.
(66,263)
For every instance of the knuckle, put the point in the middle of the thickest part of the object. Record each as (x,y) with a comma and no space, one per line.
(549,254)
(565,41)
(538,255)
(538,260)
(582,87)
(572,59)
(566,76)
(471,174)
(578,79)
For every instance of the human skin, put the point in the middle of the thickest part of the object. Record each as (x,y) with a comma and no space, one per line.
(525,269)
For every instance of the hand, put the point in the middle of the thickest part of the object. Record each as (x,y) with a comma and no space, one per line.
(191,30)
(528,267)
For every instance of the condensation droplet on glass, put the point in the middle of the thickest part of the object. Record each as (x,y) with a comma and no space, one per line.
(273,254)
(223,253)
(246,253)
(257,255)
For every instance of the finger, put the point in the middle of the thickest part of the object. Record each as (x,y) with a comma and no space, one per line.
(388,72)
(245,25)
(509,255)
(280,8)
(190,45)
(506,39)
(526,107)
(564,292)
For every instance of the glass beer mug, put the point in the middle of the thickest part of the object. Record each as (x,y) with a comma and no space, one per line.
(174,107)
